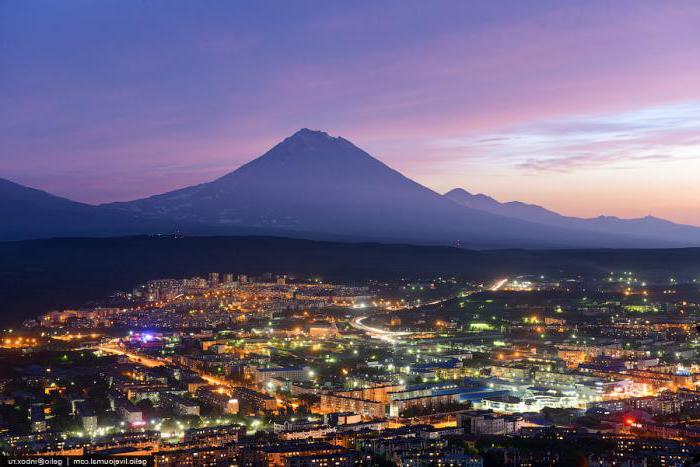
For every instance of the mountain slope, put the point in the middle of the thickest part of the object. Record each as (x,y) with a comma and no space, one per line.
(313,182)
(29,213)
(648,227)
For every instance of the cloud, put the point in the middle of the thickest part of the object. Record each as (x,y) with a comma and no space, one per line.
(621,140)
(565,164)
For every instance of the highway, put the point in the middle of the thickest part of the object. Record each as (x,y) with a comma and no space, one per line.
(357,323)
(499,284)
(388,336)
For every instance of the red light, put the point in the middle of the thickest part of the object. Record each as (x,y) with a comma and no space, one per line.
(629,421)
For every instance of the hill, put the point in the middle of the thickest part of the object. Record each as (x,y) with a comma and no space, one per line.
(71,271)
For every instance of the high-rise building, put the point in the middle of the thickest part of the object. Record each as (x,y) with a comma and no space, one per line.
(213,279)
(220,400)
(37,419)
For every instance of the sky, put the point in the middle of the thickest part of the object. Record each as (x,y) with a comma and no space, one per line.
(587,108)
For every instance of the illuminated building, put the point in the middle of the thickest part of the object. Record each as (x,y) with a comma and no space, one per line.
(218,399)
(253,400)
(262,376)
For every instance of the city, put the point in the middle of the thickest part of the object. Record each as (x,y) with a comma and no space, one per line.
(372,233)
(280,370)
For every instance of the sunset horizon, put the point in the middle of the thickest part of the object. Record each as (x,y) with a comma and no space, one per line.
(581,108)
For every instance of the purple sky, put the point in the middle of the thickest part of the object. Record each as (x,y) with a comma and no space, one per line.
(583,107)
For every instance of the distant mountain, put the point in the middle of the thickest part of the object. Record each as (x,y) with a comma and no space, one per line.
(312,182)
(28,213)
(514,209)
(647,227)
(315,186)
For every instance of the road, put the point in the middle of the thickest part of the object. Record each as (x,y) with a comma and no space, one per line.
(153,362)
(357,323)
(116,350)
(388,336)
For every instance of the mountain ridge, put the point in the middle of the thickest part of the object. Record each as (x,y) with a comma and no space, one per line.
(649,226)
(51,215)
